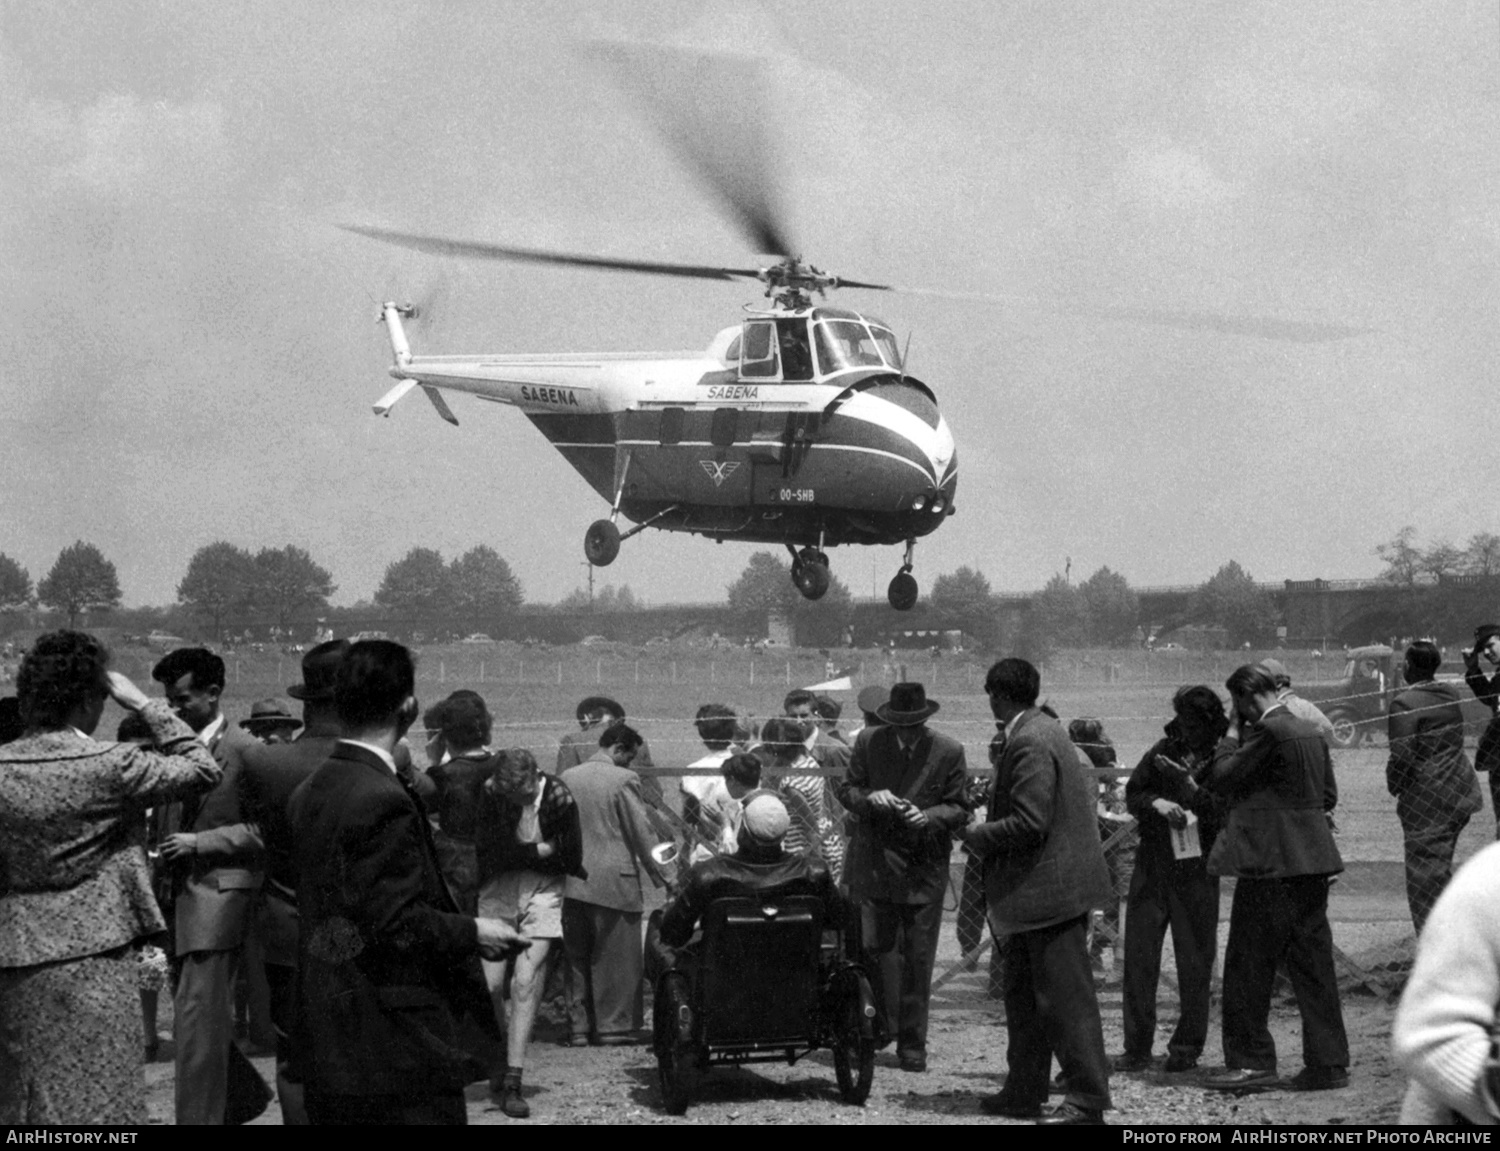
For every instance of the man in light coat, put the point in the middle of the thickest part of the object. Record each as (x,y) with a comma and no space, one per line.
(602,913)
(215,856)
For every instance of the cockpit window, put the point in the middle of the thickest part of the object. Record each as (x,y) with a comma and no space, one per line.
(758,351)
(888,346)
(847,344)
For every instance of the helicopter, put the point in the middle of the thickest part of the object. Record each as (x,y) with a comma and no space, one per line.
(799,425)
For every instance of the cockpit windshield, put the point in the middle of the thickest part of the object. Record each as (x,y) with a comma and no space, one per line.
(849,344)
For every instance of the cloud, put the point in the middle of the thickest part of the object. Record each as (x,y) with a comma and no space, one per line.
(1166,178)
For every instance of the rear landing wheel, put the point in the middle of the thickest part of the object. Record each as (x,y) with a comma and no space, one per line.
(601,543)
(812,579)
(903,592)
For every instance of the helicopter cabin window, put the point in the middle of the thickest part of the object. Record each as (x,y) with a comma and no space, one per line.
(671,425)
(725,427)
(847,344)
(796,355)
(758,350)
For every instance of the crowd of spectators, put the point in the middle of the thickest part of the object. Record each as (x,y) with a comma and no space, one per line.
(396,927)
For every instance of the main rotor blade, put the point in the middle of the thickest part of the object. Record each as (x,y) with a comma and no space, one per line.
(439,246)
(711,107)
(1260,327)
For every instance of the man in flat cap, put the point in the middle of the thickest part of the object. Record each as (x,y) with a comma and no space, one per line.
(906,786)
(271,721)
(1294,703)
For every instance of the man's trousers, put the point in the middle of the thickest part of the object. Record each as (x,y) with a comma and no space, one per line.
(203,1029)
(1429,864)
(1051,1008)
(605,967)
(900,940)
(1187,900)
(1272,921)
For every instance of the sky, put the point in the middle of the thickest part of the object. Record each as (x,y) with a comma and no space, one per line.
(190,350)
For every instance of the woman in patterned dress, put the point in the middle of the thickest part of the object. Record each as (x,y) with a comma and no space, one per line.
(75,889)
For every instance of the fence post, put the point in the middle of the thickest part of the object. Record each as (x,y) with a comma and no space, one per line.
(713,673)
(674,671)
(236,671)
(789,673)
(559,672)
(752,671)
(279,678)
(481,671)
(637,671)
(442,672)
(599,671)
(520,671)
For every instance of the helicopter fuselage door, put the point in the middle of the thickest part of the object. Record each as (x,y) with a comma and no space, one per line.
(758,358)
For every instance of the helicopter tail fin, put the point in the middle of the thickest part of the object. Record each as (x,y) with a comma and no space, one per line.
(391,315)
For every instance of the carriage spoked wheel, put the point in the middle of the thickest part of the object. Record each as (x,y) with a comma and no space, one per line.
(853,1050)
(676,1058)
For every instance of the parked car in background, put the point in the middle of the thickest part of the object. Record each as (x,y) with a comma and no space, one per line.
(1357,702)
(477,637)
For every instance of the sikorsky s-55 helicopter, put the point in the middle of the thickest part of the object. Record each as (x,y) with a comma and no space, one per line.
(799,425)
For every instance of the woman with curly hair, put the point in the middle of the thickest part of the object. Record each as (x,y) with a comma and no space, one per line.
(1166,891)
(75,888)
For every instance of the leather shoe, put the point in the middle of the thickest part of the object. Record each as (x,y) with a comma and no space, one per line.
(1179,1061)
(1009,1108)
(616,1039)
(1071,1115)
(1319,1079)
(1129,1062)
(914,1063)
(1243,1079)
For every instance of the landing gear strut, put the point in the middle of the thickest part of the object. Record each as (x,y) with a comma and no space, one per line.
(903,592)
(810,572)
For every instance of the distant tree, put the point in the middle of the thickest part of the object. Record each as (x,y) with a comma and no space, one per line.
(963,600)
(15,584)
(1233,601)
(1482,554)
(575,600)
(1402,558)
(1113,609)
(482,585)
(419,583)
(81,580)
(764,585)
(625,599)
(1441,559)
(1059,618)
(220,580)
(288,583)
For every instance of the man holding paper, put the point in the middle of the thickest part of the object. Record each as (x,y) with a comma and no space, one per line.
(1171,886)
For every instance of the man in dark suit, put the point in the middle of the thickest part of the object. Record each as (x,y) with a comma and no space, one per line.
(1043,871)
(215,857)
(1280,790)
(269,776)
(386,961)
(906,786)
(602,913)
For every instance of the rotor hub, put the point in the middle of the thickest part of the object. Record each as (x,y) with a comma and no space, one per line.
(792,282)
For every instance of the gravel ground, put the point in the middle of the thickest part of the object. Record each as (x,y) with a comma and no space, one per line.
(967,1060)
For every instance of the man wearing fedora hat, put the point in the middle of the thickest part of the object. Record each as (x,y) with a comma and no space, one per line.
(271,721)
(905,786)
(271,772)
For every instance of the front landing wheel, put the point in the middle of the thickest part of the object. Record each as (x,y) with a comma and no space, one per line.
(601,543)
(902,593)
(812,579)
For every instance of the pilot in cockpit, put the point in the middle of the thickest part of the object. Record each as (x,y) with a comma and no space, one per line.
(796,355)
